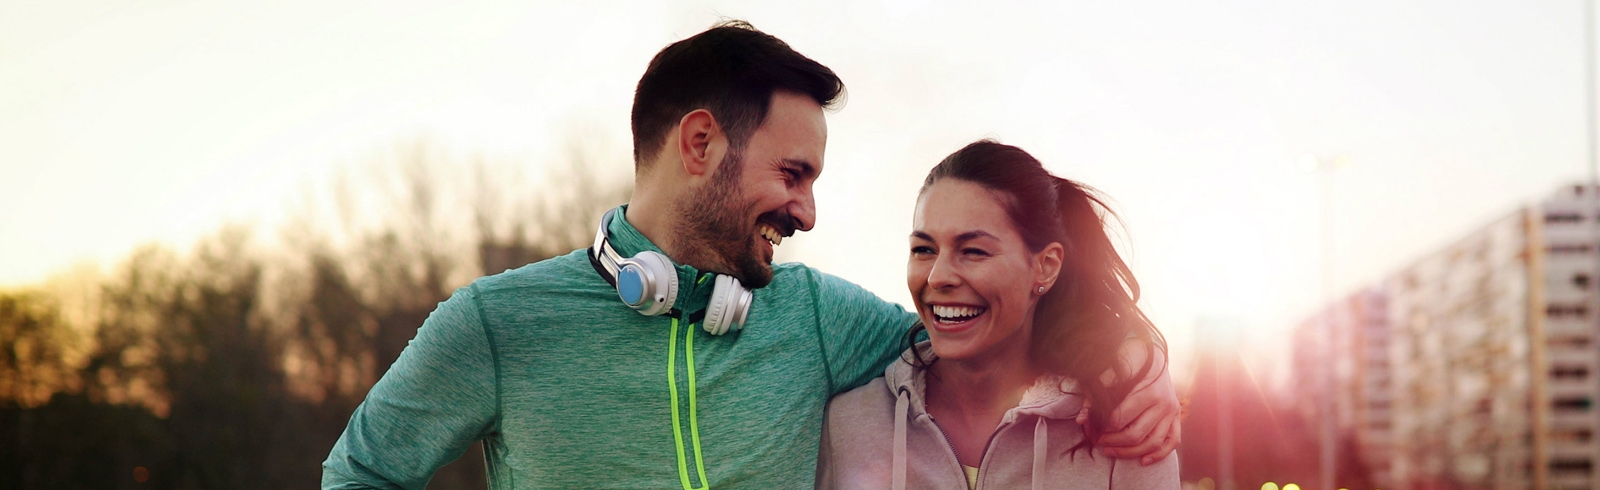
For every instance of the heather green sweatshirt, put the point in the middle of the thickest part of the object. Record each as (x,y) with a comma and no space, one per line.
(569,388)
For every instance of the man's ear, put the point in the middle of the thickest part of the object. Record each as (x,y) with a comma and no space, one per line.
(700,142)
(1047,265)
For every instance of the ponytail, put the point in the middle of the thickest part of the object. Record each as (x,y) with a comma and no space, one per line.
(1082,323)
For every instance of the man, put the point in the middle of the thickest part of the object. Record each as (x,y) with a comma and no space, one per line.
(569,388)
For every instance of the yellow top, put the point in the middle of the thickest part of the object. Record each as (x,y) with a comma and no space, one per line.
(972,477)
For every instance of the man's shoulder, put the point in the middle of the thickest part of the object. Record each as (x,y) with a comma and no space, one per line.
(566,271)
(796,274)
(791,272)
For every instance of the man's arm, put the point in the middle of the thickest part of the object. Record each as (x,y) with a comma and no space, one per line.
(1149,418)
(861,333)
(436,399)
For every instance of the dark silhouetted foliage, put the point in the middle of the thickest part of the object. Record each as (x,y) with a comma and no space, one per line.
(237,365)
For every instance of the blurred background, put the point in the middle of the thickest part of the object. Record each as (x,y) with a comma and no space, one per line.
(1362,225)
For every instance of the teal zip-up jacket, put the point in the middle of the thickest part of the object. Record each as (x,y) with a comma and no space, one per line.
(569,388)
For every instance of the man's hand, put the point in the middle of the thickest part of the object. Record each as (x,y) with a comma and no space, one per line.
(1149,418)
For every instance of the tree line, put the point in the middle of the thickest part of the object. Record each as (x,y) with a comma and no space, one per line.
(237,363)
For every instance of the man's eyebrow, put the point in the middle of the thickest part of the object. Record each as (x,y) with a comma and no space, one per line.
(806,168)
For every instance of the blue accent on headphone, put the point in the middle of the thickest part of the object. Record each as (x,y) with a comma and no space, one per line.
(630,286)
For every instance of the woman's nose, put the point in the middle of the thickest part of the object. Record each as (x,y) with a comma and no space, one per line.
(943,274)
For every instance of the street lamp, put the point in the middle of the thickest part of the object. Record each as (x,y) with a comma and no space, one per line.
(1324,169)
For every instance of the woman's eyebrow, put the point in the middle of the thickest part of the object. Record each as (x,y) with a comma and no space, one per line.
(974,235)
(964,237)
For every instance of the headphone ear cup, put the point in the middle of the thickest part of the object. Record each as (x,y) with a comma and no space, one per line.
(661,282)
(730,303)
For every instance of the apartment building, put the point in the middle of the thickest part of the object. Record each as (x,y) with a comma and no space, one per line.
(1474,366)
(1571,355)
(1352,337)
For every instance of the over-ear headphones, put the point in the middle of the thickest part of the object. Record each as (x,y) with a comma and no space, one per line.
(648,283)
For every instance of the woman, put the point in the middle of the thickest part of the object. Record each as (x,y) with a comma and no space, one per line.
(1026,306)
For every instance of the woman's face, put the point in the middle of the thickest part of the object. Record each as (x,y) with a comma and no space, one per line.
(971,276)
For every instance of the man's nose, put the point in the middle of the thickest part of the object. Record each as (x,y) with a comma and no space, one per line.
(804,211)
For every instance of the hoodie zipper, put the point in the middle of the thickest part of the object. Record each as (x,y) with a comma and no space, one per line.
(984,456)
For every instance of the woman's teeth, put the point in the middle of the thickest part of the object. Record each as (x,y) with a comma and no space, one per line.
(955,314)
(770,234)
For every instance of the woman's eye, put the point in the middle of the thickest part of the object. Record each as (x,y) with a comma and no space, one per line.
(977,252)
(919,251)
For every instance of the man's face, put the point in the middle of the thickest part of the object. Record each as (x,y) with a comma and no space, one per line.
(762,193)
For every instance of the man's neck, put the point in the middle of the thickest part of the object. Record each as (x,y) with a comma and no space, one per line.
(647,217)
(658,220)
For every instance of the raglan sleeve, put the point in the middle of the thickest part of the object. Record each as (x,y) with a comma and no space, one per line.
(860,332)
(436,399)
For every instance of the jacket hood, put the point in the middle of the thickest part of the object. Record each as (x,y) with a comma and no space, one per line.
(1052,397)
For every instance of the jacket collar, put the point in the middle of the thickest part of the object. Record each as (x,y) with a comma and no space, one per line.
(693,294)
(1051,396)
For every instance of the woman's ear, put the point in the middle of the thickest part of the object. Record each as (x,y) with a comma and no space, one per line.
(1047,266)
(700,142)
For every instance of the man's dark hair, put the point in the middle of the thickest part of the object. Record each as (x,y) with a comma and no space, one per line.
(731,70)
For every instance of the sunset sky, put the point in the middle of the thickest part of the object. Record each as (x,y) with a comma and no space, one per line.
(124,122)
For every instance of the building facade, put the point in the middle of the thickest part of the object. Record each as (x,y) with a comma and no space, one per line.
(1474,366)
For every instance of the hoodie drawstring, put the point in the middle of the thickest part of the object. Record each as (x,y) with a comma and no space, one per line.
(902,406)
(1041,447)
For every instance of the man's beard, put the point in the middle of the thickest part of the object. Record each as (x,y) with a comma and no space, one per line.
(714,224)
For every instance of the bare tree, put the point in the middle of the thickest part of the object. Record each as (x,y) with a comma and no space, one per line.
(235,365)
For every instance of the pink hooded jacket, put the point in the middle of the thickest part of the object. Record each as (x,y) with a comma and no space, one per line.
(881,436)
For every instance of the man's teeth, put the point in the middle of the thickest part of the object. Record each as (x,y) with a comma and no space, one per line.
(771,235)
(955,313)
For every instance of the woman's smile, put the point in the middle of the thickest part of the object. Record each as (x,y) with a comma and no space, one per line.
(955,318)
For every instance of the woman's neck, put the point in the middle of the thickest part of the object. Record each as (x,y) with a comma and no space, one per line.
(969,397)
(991,385)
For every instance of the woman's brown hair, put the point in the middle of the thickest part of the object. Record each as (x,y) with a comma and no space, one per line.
(1081,322)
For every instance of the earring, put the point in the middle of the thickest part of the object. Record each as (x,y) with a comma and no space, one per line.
(1040,289)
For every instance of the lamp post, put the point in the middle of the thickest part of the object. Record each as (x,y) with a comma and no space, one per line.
(1324,169)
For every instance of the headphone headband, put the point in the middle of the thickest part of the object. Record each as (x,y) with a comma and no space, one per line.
(601,255)
(648,283)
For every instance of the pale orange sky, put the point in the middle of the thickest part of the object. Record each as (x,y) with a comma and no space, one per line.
(123,122)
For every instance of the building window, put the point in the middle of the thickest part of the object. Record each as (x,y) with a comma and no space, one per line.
(1555,310)
(1572,403)
(1571,465)
(1563,218)
(1580,280)
(1570,248)
(1571,373)
(1572,341)
(1571,435)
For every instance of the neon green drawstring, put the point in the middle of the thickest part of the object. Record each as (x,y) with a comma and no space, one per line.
(694,423)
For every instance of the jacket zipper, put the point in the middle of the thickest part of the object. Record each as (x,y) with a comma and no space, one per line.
(984,455)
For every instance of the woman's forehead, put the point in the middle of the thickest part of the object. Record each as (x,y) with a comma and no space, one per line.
(954,207)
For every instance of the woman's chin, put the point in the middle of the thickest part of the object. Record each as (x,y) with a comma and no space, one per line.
(950,349)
